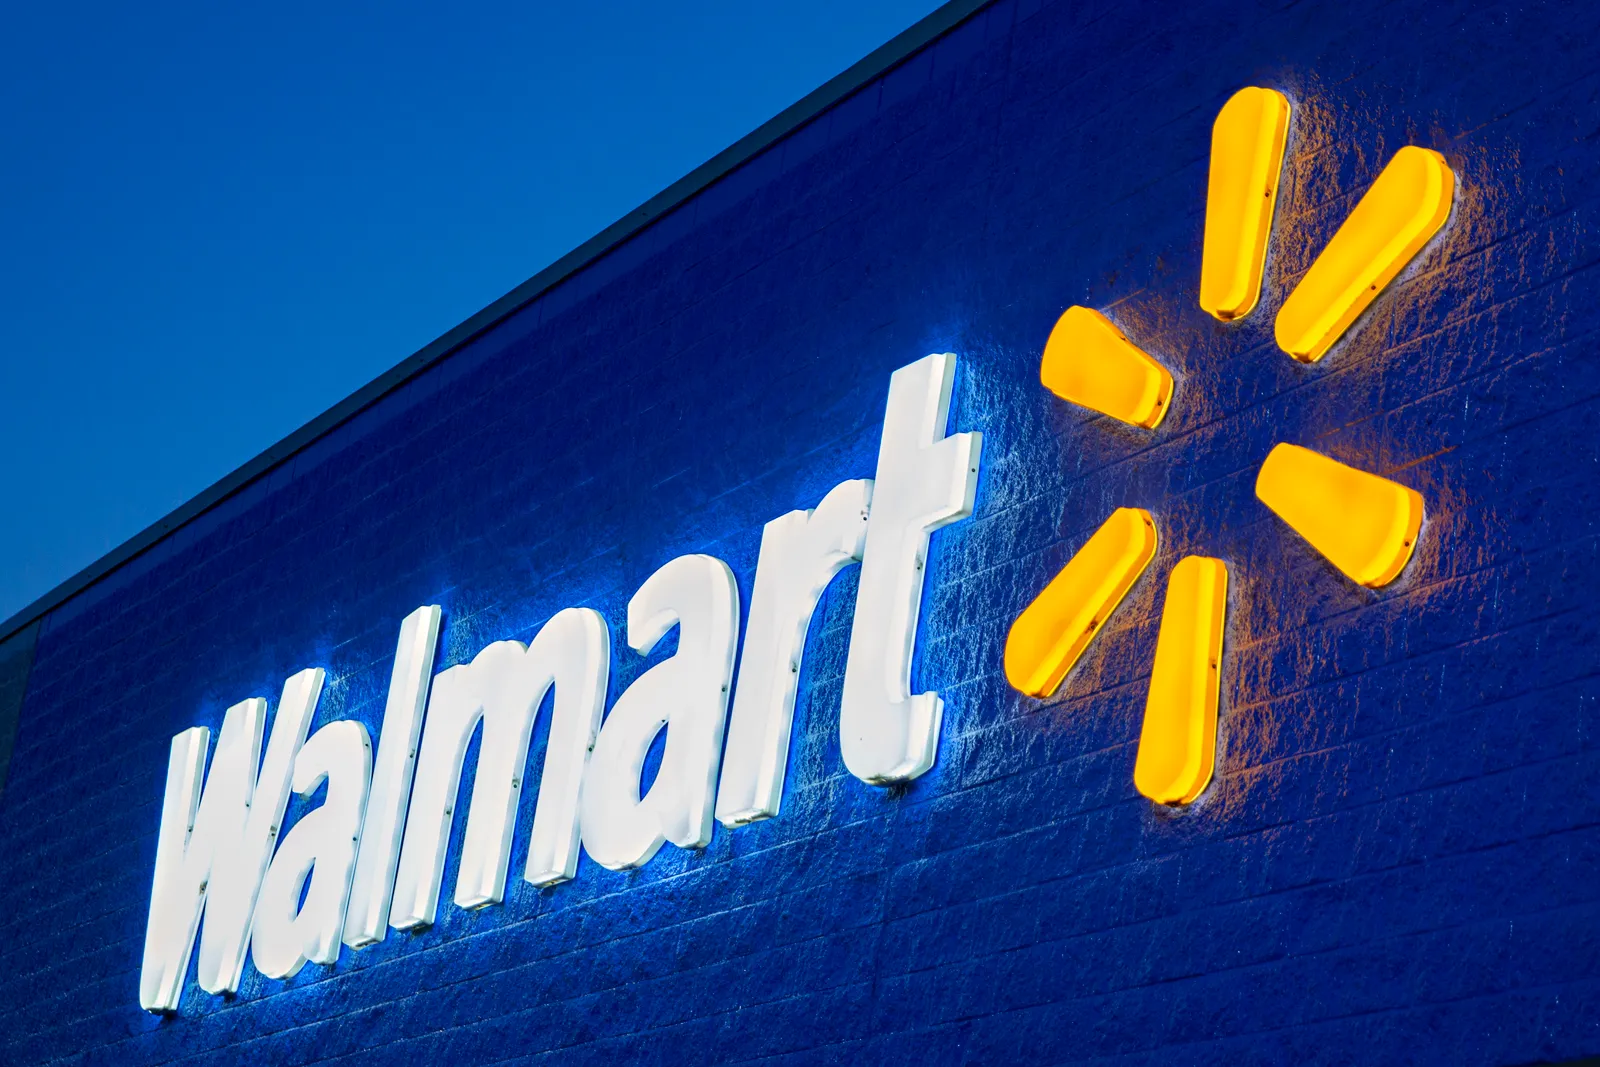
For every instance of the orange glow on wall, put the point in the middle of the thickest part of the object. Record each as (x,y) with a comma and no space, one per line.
(1052,632)
(1177,746)
(1246,157)
(1088,361)
(1403,209)
(1365,525)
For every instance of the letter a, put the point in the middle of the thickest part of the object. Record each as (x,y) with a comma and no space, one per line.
(687,694)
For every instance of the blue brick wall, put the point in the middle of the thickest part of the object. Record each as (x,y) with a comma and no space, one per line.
(1398,860)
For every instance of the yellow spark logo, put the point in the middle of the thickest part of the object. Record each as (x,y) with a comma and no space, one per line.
(1365,525)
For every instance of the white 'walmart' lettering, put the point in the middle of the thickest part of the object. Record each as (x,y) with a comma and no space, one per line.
(374,851)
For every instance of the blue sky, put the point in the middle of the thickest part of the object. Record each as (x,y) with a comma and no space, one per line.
(218,220)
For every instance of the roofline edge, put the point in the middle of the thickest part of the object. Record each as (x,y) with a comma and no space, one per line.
(876,64)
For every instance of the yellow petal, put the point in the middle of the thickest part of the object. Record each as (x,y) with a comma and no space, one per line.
(1088,361)
(1052,632)
(1177,745)
(1403,209)
(1246,157)
(1365,525)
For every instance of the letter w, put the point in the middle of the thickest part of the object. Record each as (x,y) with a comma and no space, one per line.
(216,841)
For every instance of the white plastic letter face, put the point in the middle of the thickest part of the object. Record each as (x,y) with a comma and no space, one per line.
(241,862)
(687,694)
(322,846)
(800,554)
(574,651)
(215,844)
(503,687)
(193,826)
(925,480)
(368,918)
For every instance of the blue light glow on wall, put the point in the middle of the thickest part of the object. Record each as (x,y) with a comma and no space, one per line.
(1396,860)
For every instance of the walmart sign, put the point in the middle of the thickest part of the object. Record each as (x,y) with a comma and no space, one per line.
(372,856)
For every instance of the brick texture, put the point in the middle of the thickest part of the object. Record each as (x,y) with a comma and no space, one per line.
(1399,861)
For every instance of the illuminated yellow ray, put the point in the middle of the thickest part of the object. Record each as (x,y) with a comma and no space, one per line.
(1178,743)
(1365,525)
(1246,158)
(1088,361)
(1052,632)
(1403,209)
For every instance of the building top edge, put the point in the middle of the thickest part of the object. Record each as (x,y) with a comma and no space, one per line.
(860,75)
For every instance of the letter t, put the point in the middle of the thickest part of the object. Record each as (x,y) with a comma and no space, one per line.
(925,480)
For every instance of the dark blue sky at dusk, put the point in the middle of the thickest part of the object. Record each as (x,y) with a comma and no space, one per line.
(219,220)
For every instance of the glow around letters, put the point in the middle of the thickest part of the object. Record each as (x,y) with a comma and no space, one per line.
(372,856)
